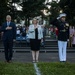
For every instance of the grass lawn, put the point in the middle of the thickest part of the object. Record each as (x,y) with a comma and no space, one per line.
(16,69)
(57,68)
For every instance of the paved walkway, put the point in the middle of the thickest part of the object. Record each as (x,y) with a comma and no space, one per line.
(43,57)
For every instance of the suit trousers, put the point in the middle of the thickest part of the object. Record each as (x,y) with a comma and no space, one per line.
(62,46)
(8,49)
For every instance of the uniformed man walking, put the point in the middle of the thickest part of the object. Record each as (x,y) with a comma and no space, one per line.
(63,35)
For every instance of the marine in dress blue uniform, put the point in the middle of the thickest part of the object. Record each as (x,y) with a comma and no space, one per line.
(63,35)
(9,34)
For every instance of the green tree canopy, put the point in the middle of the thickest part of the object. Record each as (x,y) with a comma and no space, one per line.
(32,8)
(68,6)
(3,10)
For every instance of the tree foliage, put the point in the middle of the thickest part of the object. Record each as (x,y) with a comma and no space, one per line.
(3,10)
(68,7)
(32,8)
(55,9)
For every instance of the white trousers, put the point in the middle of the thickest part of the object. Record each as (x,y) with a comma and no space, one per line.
(62,50)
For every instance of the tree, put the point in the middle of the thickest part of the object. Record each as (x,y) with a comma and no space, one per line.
(3,9)
(54,10)
(32,8)
(68,8)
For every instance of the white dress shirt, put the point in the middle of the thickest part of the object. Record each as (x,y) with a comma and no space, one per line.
(8,23)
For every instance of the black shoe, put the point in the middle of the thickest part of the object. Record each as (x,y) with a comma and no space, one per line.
(33,61)
(8,61)
(63,61)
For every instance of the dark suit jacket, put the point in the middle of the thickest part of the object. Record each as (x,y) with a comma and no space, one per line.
(9,34)
(62,36)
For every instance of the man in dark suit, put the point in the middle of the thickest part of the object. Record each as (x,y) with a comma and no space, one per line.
(9,34)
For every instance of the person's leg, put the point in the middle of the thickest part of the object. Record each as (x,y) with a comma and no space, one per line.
(6,49)
(73,45)
(64,50)
(71,41)
(37,56)
(33,55)
(60,50)
(32,45)
(10,49)
(37,50)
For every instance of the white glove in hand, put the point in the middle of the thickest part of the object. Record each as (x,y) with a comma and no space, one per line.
(67,39)
(58,18)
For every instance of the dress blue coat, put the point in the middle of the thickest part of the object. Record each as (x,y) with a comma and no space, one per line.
(9,34)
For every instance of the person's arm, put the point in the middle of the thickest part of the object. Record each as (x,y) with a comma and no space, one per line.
(68,33)
(31,29)
(41,33)
(3,28)
(67,30)
(55,22)
(14,31)
(0,29)
(42,26)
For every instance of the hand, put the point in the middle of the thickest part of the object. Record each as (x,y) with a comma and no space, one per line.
(67,39)
(8,28)
(42,26)
(36,27)
(58,18)
(71,35)
(41,40)
(14,40)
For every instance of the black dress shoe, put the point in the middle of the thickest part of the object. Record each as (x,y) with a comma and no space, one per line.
(63,61)
(33,61)
(9,61)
